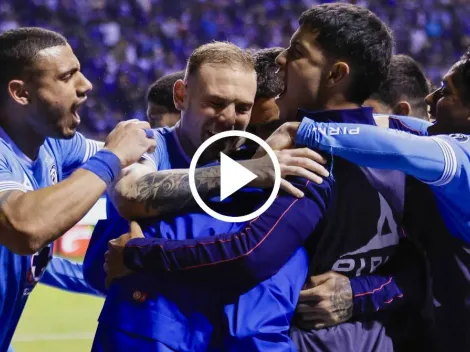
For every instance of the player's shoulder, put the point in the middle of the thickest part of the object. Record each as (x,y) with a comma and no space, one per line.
(162,132)
(408,124)
(457,141)
(9,152)
(158,159)
(163,135)
(63,146)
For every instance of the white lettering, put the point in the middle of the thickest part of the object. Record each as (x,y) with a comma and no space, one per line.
(344,265)
(363,265)
(355,130)
(375,263)
(334,131)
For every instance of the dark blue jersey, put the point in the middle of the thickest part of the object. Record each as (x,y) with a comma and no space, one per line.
(349,224)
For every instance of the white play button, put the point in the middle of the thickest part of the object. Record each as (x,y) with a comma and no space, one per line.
(233,176)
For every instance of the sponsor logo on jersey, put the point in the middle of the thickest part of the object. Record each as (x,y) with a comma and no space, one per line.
(366,259)
(334,131)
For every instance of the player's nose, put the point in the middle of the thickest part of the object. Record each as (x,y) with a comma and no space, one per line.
(228,116)
(83,85)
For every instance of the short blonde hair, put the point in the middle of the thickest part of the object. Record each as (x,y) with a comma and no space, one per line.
(219,53)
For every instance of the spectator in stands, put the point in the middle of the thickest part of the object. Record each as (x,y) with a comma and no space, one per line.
(127,44)
(161,110)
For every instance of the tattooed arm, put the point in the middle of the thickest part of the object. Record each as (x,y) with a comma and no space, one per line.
(143,192)
(326,300)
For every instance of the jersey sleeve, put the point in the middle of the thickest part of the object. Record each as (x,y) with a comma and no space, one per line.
(159,155)
(9,180)
(76,151)
(67,275)
(430,159)
(399,283)
(246,257)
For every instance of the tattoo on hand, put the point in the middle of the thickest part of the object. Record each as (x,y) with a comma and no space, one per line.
(167,191)
(342,299)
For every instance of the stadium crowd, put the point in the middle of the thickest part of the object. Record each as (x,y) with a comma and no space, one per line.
(365,245)
(126,44)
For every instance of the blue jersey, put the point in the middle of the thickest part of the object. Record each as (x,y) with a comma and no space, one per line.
(167,155)
(442,162)
(66,275)
(194,322)
(56,159)
(437,212)
(355,240)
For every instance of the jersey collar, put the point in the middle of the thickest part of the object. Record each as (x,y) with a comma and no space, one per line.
(6,138)
(360,115)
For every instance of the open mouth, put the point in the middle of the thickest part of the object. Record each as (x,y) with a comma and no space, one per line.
(75,108)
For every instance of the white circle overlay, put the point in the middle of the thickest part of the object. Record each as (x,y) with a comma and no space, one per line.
(277,176)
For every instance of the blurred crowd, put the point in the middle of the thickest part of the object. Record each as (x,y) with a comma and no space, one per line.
(124,45)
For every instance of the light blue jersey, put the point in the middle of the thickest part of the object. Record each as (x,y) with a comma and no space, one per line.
(442,162)
(19,274)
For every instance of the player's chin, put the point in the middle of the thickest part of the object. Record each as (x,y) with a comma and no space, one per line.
(67,132)
(286,110)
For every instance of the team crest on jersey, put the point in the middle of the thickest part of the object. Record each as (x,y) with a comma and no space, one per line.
(53,174)
(459,137)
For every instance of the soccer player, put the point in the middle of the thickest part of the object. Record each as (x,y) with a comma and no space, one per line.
(42,89)
(265,114)
(332,298)
(403,92)
(217,94)
(439,221)
(161,110)
(316,78)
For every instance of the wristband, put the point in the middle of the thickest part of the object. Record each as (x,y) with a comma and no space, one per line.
(104,164)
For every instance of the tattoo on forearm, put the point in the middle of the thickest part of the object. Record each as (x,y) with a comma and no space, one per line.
(342,299)
(168,191)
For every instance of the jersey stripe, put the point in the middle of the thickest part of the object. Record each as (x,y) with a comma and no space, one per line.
(450,163)
(92,148)
(11,186)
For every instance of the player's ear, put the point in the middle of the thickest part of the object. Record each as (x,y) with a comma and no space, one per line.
(338,72)
(18,92)
(402,108)
(179,94)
